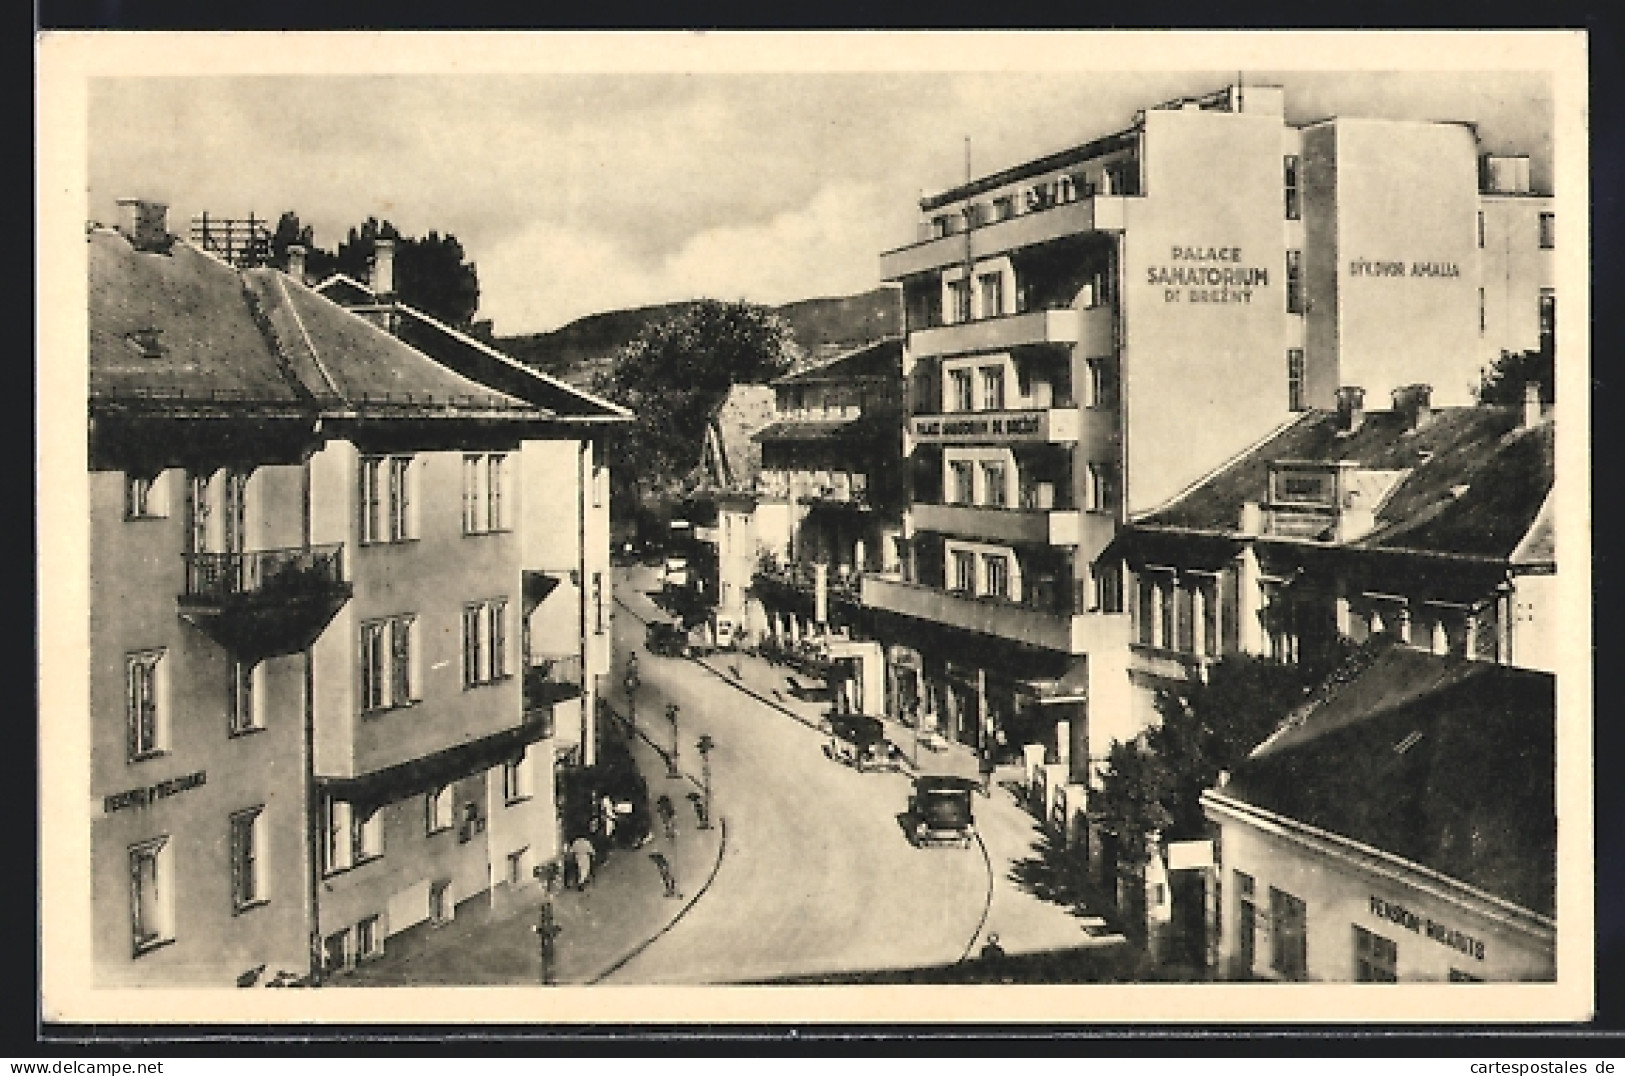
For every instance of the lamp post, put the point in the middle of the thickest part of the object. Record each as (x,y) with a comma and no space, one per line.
(704,746)
(546,929)
(671,759)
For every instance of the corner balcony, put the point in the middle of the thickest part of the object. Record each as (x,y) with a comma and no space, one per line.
(1102,212)
(1037,526)
(997,334)
(267,602)
(1071,633)
(1055,425)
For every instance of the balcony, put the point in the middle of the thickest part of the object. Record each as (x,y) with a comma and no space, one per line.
(1102,212)
(1049,629)
(997,334)
(265,603)
(550,679)
(801,580)
(1055,425)
(998,524)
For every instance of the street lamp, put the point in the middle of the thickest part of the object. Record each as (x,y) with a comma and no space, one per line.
(704,746)
(546,929)
(671,759)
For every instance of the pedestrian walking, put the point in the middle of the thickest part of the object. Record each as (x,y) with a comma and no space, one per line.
(581,851)
(666,876)
(668,815)
(992,950)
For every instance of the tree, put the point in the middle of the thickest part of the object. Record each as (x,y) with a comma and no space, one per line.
(675,373)
(1505,379)
(431,274)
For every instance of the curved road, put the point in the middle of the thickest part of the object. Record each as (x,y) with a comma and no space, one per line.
(818,875)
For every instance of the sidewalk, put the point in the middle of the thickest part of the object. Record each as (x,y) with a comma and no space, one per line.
(622,911)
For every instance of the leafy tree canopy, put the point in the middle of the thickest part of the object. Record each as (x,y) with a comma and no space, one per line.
(431,273)
(1504,381)
(675,373)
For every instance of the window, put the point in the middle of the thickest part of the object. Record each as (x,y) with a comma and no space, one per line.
(992,388)
(600,479)
(1483,315)
(1290,170)
(248,859)
(1205,617)
(1289,939)
(244,708)
(1548,317)
(369,836)
(1294,379)
(959,482)
(1094,386)
(1246,924)
(152,913)
(1294,282)
(485,479)
(941,226)
(369,938)
(336,952)
(387,511)
(598,597)
(991,286)
(516,783)
(440,906)
(962,392)
(439,806)
(1101,494)
(388,659)
(148,732)
(1548,231)
(1375,958)
(997,496)
(996,568)
(198,512)
(1480,229)
(958,301)
(964,577)
(1108,588)
(143,497)
(485,647)
(1004,208)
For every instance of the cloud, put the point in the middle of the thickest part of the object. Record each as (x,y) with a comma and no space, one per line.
(549,274)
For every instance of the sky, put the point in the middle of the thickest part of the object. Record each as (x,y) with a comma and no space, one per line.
(579,192)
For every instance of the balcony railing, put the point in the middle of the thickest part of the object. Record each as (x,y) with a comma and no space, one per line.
(1100,212)
(803,577)
(214,578)
(998,333)
(1045,618)
(1051,526)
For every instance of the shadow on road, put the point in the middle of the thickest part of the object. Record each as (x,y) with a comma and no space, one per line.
(1060,876)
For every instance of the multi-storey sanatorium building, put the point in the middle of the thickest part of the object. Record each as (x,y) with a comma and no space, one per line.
(327,679)
(1091,332)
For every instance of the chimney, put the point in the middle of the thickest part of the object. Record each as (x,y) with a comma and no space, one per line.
(1350,408)
(1252,518)
(296,262)
(145,224)
(383,270)
(1414,403)
(1531,403)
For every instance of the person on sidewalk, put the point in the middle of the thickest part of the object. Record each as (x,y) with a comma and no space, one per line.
(581,851)
(668,815)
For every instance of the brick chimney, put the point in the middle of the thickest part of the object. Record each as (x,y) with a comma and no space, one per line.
(383,270)
(296,262)
(144,223)
(1252,518)
(1350,409)
(1531,403)
(1415,404)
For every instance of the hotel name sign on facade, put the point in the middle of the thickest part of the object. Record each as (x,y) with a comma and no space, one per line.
(1208,275)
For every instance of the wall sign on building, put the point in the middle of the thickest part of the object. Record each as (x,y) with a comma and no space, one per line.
(150,794)
(1225,280)
(1420,924)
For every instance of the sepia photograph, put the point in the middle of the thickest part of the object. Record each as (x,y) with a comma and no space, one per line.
(787,524)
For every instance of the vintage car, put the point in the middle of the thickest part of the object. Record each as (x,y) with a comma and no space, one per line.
(666,639)
(939,810)
(860,742)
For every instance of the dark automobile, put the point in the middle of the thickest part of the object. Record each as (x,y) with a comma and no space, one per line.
(939,811)
(667,640)
(860,742)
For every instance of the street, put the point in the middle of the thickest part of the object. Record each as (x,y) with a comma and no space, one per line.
(818,876)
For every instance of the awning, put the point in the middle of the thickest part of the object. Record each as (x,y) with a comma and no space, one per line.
(811,430)
(431,771)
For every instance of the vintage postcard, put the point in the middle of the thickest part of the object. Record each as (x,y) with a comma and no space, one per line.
(827,527)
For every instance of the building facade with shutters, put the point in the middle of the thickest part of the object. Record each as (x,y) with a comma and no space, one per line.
(1091,332)
(327,686)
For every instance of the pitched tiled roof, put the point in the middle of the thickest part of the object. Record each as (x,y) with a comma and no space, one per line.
(1473,478)
(881,358)
(1441,761)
